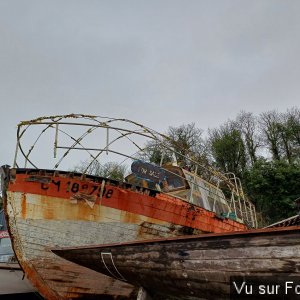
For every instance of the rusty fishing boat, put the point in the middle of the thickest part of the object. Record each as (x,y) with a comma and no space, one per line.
(57,206)
(202,266)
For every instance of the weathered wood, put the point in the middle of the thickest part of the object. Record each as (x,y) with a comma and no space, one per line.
(143,295)
(195,267)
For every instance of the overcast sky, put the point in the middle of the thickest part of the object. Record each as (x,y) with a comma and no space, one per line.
(162,63)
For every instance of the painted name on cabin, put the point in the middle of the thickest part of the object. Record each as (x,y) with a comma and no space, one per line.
(148,171)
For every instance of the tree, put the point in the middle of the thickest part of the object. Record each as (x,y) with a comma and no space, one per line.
(248,124)
(228,149)
(185,141)
(270,124)
(273,186)
(285,138)
(292,117)
(155,152)
(281,133)
(111,170)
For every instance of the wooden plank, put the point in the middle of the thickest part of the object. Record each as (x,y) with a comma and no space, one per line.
(195,266)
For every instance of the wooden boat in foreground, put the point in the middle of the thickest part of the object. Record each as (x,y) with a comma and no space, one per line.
(197,267)
(48,208)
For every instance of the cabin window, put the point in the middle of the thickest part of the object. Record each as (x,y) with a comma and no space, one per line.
(207,195)
(175,181)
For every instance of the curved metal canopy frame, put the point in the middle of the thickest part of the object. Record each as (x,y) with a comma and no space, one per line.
(113,130)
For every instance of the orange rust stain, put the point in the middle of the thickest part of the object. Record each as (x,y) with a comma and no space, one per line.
(128,217)
(84,211)
(47,212)
(23,206)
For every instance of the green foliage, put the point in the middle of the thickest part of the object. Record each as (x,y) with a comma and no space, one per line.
(271,180)
(292,133)
(273,186)
(281,134)
(228,149)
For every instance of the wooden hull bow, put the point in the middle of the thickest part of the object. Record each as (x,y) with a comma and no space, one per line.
(195,267)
